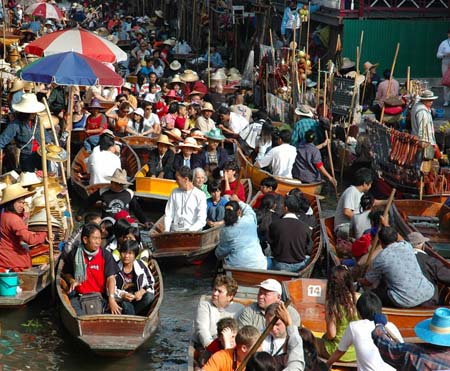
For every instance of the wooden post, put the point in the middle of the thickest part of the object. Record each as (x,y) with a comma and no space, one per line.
(307,30)
(361,39)
(408,80)
(390,80)
(293,74)
(47,207)
(421,188)
(209,59)
(318,85)
(330,157)
(69,129)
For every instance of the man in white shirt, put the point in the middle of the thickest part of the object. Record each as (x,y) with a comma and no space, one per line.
(421,118)
(186,207)
(103,163)
(281,158)
(230,122)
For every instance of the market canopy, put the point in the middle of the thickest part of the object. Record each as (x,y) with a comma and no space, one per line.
(77,40)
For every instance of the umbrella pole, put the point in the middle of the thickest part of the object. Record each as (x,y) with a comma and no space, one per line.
(69,128)
(47,209)
(47,109)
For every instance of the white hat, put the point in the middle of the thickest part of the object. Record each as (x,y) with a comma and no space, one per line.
(426,95)
(304,110)
(29,178)
(28,104)
(175,66)
(271,285)
(139,111)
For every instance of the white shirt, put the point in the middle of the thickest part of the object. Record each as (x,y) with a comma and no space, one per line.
(422,123)
(444,51)
(350,199)
(102,164)
(237,123)
(281,158)
(359,333)
(185,210)
(152,120)
(272,345)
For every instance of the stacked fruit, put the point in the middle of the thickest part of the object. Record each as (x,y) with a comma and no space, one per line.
(304,65)
(304,13)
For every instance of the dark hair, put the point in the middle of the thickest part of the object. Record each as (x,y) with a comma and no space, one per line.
(362,176)
(186,172)
(120,96)
(231,165)
(387,74)
(374,217)
(368,305)
(135,232)
(223,110)
(366,202)
(270,182)
(173,107)
(231,213)
(310,136)
(229,283)
(90,217)
(261,361)
(88,229)
(106,142)
(291,204)
(109,227)
(303,202)
(213,186)
(387,235)
(340,296)
(285,136)
(121,227)
(268,202)
(312,362)
(130,245)
(229,322)
(271,309)
(145,104)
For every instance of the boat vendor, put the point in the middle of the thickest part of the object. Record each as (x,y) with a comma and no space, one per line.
(90,269)
(14,234)
(186,207)
(421,118)
(103,162)
(24,130)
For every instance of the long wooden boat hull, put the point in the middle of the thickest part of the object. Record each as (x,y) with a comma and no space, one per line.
(256,175)
(183,247)
(252,277)
(32,281)
(141,145)
(113,335)
(80,177)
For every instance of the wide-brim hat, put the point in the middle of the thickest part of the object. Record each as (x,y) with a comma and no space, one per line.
(174,134)
(304,110)
(215,134)
(54,153)
(426,95)
(95,103)
(27,179)
(234,77)
(17,85)
(40,218)
(435,330)
(28,86)
(43,118)
(159,13)
(171,42)
(28,104)
(233,70)
(368,65)
(219,75)
(189,76)
(198,135)
(14,192)
(119,176)
(347,63)
(175,65)
(102,32)
(208,107)
(164,139)
(196,92)
(359,79)
(176,80)
(189,142)
(172,94)
(417,238)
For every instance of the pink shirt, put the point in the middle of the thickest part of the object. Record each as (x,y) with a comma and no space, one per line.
(382,92)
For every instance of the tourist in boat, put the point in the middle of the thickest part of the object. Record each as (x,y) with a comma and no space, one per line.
(186,156)
(401,282)
(305,213)
(264,141)
(227,329)
(230,182)
(214,153)
(204,122)
(96,123)
(433,269)
(231,123)
(215,212)
(75,238)
(119,116)
(310,350)
(422,119)
(360,222)
(340,309)
(265,215)
(160,159)
(90,269)
(308,166)
(361,246)
(269,292)
(358,334)
(105,161)
(186,207)
(230,359)
(290,240)
(152,126)
(240,108)
(200,181)
(432,354)
(24,131)
(239,244)
(269,185)
(136,124)
(13,230)
(134,281)
(221,305)
(280,158)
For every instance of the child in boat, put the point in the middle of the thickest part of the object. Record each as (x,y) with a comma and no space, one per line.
(134,281)
(340,310)
(359,334)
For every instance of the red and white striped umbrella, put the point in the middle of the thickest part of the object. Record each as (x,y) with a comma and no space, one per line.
(77,40)
(45,10)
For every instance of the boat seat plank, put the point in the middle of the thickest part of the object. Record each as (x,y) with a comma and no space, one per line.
(110,342)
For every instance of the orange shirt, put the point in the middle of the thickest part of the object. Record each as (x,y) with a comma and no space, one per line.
(222,361)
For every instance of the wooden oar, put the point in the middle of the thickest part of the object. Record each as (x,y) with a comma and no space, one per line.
(318,85)
(390,80)
(258,343)
(330,157)
(385,215)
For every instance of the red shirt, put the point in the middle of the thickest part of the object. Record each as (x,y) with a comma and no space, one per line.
(95,275)
(240,193)
(96,123)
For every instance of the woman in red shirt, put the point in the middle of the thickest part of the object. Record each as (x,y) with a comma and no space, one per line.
(95,124)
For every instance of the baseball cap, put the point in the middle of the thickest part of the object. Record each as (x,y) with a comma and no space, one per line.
(271,285)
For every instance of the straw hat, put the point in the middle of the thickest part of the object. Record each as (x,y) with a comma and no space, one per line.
(102,32)
(195,92)
(43,117)
(164,139)
(304,110)
(159,13)
(347,63)
(14,192)
(189,76)
(368,65)
(54,153)
(359,79)
(28,86)
(40,218)
(176,80)
(435,330)
(119,176)
(417,238)
(190,143)
(234,77)
(233,70)
(426,95)
(171,42)
(219,75)
(198,135)
(29,104)
(215,134)
(27,179)
(112,38)
(18,84)
(175,134)
(208,107)
(175,65)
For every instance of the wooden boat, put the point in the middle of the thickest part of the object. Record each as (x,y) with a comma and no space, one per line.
(80,176)
(32,281)
(284,184)
(251,277)
(107,334)
(404,318)
(141,145)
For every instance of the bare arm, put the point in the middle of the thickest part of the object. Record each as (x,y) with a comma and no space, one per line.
(111,285)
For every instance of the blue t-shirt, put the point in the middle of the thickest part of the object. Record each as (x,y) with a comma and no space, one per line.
(215,212)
